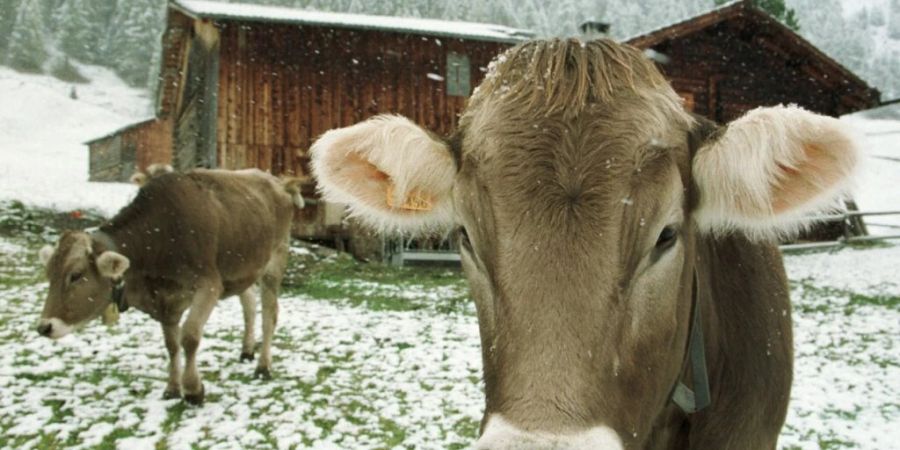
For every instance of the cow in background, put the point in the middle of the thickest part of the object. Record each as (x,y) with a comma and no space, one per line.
(185,241)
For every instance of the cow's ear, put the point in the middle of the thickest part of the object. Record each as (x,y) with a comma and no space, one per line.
(394,175)
(45,254)
(112,265)
(770,169)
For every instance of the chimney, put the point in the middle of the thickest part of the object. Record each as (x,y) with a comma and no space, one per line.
(593,29)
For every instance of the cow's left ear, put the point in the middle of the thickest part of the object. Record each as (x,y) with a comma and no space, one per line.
(770,169)
(46,253)
(393,174)
(112,265)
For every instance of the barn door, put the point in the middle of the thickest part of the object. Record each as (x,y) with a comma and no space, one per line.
(195,126)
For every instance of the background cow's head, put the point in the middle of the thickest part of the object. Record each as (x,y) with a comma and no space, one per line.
(82,276)
(579,186)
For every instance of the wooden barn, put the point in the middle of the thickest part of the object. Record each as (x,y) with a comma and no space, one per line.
(253,86)
(737,57)
(115,156)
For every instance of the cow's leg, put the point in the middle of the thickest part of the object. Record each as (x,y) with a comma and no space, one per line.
(201,307)
(270,284)
(171,333)
(269,319)
(248,304)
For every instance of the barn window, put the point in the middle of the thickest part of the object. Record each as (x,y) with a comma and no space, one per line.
(458,75)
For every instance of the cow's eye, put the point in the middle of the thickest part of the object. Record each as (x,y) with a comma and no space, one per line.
(666,238)
(75,277)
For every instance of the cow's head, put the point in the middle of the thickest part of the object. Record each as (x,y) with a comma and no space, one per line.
(82,275)
(579,185)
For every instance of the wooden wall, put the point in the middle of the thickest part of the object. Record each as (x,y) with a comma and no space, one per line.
(728,71)
(118,156)
(281,86)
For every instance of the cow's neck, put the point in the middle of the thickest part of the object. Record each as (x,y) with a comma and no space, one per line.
(693,400)
(105,240)
(108,243)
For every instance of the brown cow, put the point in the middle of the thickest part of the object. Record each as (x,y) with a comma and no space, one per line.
(186,241)
(593,212)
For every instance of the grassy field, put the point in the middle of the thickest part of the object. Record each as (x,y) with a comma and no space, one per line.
(372,357)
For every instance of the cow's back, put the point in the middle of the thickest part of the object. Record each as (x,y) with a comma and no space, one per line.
(181,225)
(747,323)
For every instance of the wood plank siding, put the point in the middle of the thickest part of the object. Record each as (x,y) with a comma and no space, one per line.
(117,156)
(281,86)
(737,58)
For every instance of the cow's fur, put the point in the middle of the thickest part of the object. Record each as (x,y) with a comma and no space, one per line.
(140,178)
(367,153)
(587,199)
(183,243)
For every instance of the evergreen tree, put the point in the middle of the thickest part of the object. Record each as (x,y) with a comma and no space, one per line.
(894,24)
(80,27)
(133,29)
(27,46)
(777,9)
(876,17)
(8,10)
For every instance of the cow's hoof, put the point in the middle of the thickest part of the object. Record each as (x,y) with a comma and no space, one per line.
(195,399)
(246,356)
(263,373)
(171,394)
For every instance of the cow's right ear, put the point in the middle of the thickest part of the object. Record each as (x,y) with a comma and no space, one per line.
(45,254)
(393,175)
(112,265)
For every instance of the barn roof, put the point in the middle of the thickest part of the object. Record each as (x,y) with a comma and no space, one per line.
(122,129)
(429,27)
(779,38)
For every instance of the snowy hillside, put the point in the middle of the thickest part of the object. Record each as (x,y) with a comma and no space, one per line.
(42,159)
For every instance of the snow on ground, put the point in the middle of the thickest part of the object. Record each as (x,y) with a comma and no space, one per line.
(346,377)
(847,369)
(878,188)
(354,377)
(43,161)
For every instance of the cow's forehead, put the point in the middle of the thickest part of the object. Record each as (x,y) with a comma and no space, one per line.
(545,92)
(566,76)
(72,253)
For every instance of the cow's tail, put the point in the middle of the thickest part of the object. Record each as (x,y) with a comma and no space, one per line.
(141,178)
(292,186)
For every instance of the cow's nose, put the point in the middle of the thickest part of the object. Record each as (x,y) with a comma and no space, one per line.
(45,329)
(502,435)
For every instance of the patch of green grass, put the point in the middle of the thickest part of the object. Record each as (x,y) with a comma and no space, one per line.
(816,299)
(394,435)
(43,225)
(829,443)
(376,286)
(467,428)
(174,415)
(109,441)
(877,300)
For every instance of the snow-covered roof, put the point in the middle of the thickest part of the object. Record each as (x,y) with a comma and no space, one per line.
(688,18)
(121,129)
(429,27)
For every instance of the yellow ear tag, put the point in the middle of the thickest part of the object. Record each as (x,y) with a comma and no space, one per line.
(415,201)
